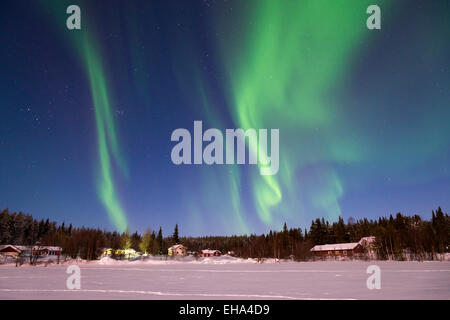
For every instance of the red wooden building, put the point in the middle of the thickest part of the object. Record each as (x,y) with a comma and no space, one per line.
(210,253)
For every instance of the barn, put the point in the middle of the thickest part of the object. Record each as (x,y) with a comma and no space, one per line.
(211,253)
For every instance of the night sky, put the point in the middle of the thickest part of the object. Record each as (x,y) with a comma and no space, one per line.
(86,115)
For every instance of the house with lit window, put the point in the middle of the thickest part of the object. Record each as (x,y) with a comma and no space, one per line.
(120,253)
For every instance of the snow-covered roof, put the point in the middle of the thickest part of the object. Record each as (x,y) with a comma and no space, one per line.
(22,248)
(52,248)
(336,246)
(209,251)
(344,246)
(175,247)
(4,246)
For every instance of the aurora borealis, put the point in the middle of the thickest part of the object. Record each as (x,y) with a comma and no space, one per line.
(86,115)
(107,139)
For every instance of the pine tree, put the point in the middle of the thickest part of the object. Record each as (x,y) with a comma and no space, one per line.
(19,228)
(175,237)
(340,231)
(5,235)
(440,227)
(158,244)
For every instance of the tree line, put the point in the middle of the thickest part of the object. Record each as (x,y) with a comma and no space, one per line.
(395,237)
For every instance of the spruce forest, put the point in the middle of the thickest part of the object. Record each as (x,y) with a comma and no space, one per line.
(395,235)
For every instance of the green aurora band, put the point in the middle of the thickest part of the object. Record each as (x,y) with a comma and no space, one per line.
(106,136)
(281,72)
(83,42)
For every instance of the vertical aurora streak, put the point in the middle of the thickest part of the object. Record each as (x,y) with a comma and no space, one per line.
(106,137)
(84,44)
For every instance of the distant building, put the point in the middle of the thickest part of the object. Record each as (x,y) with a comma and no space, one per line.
(27,250)
(177,250)
(9,250)
(47,251)
(211,253)
(353,249)
(338,249)
(108,252)
(120,253)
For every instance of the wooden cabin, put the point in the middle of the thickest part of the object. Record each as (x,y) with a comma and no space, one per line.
(9,250)
(338,249)
(353,249)
(177,250)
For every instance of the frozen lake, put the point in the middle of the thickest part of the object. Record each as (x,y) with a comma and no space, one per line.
(181,280)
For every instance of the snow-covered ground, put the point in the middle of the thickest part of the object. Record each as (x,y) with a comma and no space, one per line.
(227,278)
